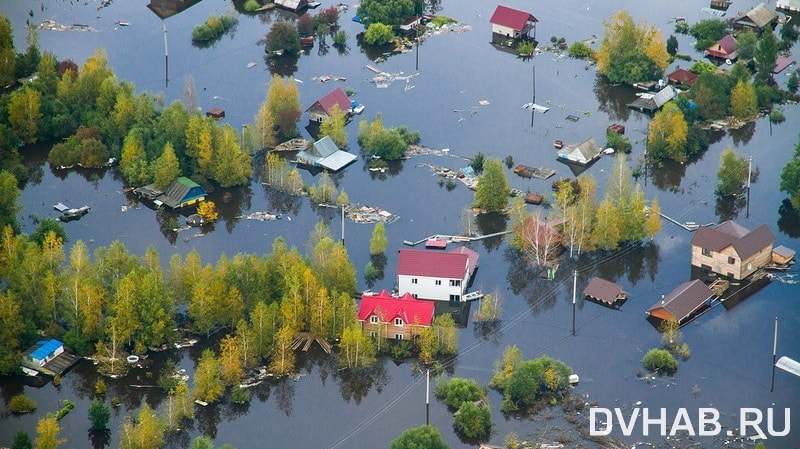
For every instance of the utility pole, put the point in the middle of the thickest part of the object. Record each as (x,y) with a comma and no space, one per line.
(166,56)
(774,355)
(342,224)
(574,293)
(749,171)
(533,97)
(427,396)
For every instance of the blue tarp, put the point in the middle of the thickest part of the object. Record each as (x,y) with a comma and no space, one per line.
(47,347)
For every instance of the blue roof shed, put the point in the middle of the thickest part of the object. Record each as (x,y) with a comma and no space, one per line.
(46,347)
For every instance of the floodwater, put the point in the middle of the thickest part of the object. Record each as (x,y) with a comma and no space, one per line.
(729,367)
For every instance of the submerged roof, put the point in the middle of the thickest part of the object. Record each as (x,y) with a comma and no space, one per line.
(603,290)
(326,154)
(181,190)
(686,299)
(588,149)
(387,307)
(512,18)
(760,16)
(456,264)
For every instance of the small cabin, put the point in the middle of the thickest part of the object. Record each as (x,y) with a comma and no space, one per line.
(533,198)
(216,113)
(513,23)
(782,255)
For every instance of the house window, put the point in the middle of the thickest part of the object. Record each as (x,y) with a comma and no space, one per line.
(413,280)
(398,336)
(438,282)
(398,321)
(731,260)
(415,296)
(455,282)
(455,298)
(749,266)
(372,334)
(706,252)
(373,319)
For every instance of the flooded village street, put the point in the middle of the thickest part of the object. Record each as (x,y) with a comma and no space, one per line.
(466,97)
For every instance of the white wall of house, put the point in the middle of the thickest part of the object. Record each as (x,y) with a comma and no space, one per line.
(439,289)
(504,30)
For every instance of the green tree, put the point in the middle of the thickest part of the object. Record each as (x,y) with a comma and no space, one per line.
(492,191)
(747,41)
(427,437)
(378,34)
(22,441)
(660,360)
(389,144)
(667,135)
(47,430)
(46,226)
(732,174)
(20,404)
(202,442)
(99,414)
(166,168)
(629,52)
(672,45)
(473,420)
(8,59)
(208,385)
(607,231)
(356,349)
(790,177)
(580,50)
(744,103)
(133,163)
(283,100)
(477,161)
(283,36)
(793,83)
(707,32)
(24,114)
(765,54)
(333,126)
(445,328)
(454,392)
(264,127)
(388,12)
(9,191)
(378,241)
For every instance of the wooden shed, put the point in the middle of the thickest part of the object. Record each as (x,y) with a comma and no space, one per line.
(782,255)
(605,292)
(681,304)
(216,113)
(533,198)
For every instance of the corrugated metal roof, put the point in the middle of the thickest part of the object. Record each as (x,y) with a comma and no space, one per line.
(745,242)
(325,147)
(603,290)
(783,251)
(336,96)
(686,299)
(789,365)
(510,17)
(753,242)
(588,149)
(387,307)
(47,347)
(436,264)
(760,15)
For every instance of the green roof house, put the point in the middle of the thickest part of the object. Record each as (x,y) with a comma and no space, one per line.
(180,193)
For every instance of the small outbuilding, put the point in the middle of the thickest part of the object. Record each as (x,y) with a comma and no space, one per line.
(292,5)
(513,23)
(216,113)
(726,48)
(788,5)
(653,102)
(682,77)
(782,255)
(605,292)
(321,109)
(325,154)
(180,193)
(756,19)
(681,304)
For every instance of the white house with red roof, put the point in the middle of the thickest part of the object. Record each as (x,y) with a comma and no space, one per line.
(321,109)
(399,318)
(513,23)
(436,275)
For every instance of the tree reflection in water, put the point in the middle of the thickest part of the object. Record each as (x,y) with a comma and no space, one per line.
(282,202)
(284,395)
(354,384)
(99,438)
(284,66)
(208,418)
(789,221)
(492,223)
(728,207)
(613,99)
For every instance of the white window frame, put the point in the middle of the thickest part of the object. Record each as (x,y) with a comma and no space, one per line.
(398,321)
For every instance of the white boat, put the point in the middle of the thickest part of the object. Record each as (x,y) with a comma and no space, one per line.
(250,65)
(123,23)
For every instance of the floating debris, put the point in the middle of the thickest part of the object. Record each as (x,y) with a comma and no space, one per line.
(292,145)
(369,214)
(52,25)
(261,216)
(251,64)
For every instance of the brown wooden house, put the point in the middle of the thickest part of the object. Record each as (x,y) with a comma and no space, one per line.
(681,304)
(731,250)
(756,19)
(399,318)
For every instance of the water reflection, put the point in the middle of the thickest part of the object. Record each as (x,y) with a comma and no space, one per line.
(230,204)
(789,220)
(638,261)
(284,396)
(376,53)
(492,223)
(99,438)
(613,99)
(667,175)
(727,207)
(207,419)
(354,385)
(283,202)
(284,66)
(741,136)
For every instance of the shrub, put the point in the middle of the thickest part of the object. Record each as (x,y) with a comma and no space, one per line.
(438,21)
(340,38)
(682,28)
(454,392)
(660,360)
(473,420)
(579,50)
(776,116)
(251,5)
(68,406)
(283,36)
(618,142)
(213,29)
(378,34)
(100,387)
(239,395)
(99,414)
(525,48)
(401,349)
(21,404)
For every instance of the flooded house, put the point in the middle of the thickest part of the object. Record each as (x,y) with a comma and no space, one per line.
(181,192)
(788,5)
(394,317)
(650,103)
(683,303)
(731,250)
(292,5)
(581,153)
(726,49)
(510,23)
(324,154)
(436,275)
(48,357)
(682,77)
(605,292)
(756,19)
(321,109)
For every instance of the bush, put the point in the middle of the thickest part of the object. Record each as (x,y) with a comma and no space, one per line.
(525,48)
(340,38)
(239,395)
(251,5)
(776,116)
(454,392)
(99,414)
(283,36)
(660,360)
(682,28)
(68,406)
(473,420)
(21,404)
(579,50)
(213,29)
(618,142)
(100,387)
(532,380)
(400,350)
(378,34)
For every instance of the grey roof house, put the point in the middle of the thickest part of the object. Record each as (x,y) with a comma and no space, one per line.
(325,154)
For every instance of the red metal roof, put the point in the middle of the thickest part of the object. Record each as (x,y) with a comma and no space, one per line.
(726,48)
(387,308)
(683,76)
(510,17)
(447,265)
(336,96)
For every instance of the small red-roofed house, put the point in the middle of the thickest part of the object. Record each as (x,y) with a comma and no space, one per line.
(321,109)
(725,48)
(682,77)
(512,23)
(398,318)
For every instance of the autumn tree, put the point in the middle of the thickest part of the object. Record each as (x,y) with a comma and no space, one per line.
(166,168)
(356,349)
(744,103)
(333,126)
(446,334)
(47,430)
(493,190)
(733,173)
(232,165)
(9,192)
(264,127)
(283,100)
(24,114)
(208,384)
(283,359)
(146,432)
(133,163)
(629,52)
(607,232)
(208,210)
(8,57)
(378,241)
(11,331)
(230,358)
(667,135)
(790,177)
